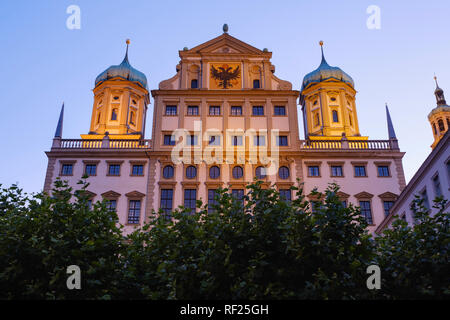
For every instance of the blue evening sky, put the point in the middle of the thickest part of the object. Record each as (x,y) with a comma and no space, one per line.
(43,63)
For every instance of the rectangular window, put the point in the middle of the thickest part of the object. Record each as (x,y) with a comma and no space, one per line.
(214,110)
(138,170)
(336,171)
(67,170)
(383,171)
(192,140)
(238,194)
(344,203)
(134,211)
(236,140)
(387,205)
(448,172)
(260,141)
(114,169)
(166,201)
(437,186)
(171,110)
(214,141)
(360,171)
(424,197)
(190,198)
(366,212)
(258,110)
(313,171)
(91,169)
(280,110)
(285,194)
(89,204)
(236,111)
(111,205)
(282,141)
(211,199)
(169,140)
(192,110)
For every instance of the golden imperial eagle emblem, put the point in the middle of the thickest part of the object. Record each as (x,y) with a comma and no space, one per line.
(225,76)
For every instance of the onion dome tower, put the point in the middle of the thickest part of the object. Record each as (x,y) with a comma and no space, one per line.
(439,117)
(120,102)
(328,103)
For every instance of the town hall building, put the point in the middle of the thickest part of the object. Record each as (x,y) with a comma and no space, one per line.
(225,120)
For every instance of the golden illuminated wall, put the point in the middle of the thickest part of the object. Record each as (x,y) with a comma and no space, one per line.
(440,123)
(119,109)
(330,110)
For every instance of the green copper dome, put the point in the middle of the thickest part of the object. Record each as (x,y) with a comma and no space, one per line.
(324,72)
(124,71)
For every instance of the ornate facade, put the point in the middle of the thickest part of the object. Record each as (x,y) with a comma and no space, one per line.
(223,120)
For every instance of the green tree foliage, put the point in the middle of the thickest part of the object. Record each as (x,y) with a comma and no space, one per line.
(415,260)
(263,248)
(41,236)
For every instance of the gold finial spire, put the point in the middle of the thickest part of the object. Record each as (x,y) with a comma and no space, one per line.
(321,43)
(127,41)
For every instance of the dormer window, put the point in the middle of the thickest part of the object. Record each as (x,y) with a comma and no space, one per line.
(194,83)
(116,98)
(256,84)
(132,117)
(315,102)
(134,102)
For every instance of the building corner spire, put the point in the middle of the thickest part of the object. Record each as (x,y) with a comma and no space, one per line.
(391,131)
(59,127)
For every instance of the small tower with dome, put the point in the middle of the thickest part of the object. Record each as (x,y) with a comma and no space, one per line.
(328,103)
(120,102)
(439,117)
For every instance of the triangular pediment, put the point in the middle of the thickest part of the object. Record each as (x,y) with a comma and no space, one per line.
(224,44)
(343,195)
(364,195)
(388,196)
(135,194)
(110,194)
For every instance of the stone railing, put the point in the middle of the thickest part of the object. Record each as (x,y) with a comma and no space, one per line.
(342,144)
(100,144)
(349,144)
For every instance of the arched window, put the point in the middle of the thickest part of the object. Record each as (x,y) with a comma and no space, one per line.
(283,172)
(256,84)
(132,117)
(168,172)
(350,119)
(238,172)
(114,114)
(99,116)
(194,83)
(441,125)
(191,172)
(335,116)
(434,128)
(260,172)
(214,172)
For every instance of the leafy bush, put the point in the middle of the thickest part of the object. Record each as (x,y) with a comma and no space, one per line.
(263,248)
